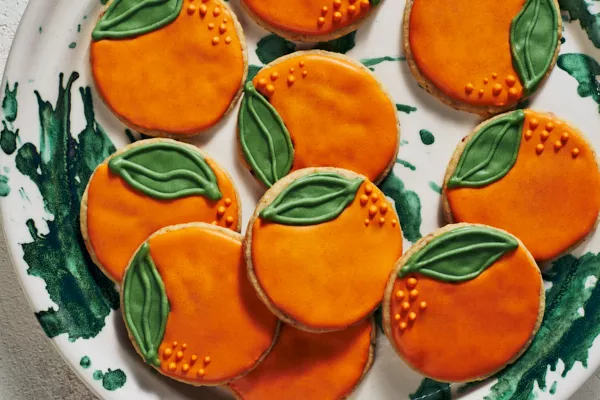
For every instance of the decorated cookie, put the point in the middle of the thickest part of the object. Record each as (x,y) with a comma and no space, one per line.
(305,365)
(530,174)
(310,20)
(320,247)
(169,67)
(482,56)
(147,186)
(189,308)
(308,109)
(463,303)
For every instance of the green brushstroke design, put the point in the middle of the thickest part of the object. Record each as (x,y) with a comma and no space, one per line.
(4,187)
(580,10)
(271,47)
(585,70)
(427,137)
(340,45)
(10,106)
(432,390)
(406,164)
(8,138)
(111,379)
(61,169)
(435,187)
(405,108)
(408,206)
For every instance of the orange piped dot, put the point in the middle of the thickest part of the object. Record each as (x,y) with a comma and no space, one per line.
(184,346)
(512,93)
(510,80)
(494,75)
(372,211)
(381,221)
(193,359)
(564,137)
(557,145)
(364,3)
(191,9)
(201,372)
(351,10)
(222,28)
(337,16)
(304,73)
(274,76)
(575,152)
(369,189)
(383,208)
(375,197)
(175,343)
(262,82)
(481,92)
(534,123)
(413,294)
(172,366)
(411,283)
(221,211)
(394,222)
(423,305)
(270,89)
(203,10)
(485,81)
(185,367)
(217,11)
(228,200)
(528,134)
(397,317)
(301,64)
(469,88)
(550,126)
(405,306)
(321,21)
(497,89)
(337,4)
(539,148)
(228,40)
(367,221)
(225,20)
(324,10)
(211,26)
(291,80)
(167,352)
(412,316)
(364,199)
(544,135)
(229,220)
(399,295)
(179,355)
(292,70)
(215,40)
(207,360)
(403,326)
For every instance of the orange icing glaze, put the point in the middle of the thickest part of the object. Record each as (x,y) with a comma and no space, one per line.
(549,199)
(330,275)
(175,79)
(306,365)
(213,308)
(485,322)
(470,40)
(120,218)
(329,122)
(309,17)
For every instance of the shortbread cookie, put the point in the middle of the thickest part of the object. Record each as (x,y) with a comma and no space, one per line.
(189,308)
(529,173)
(317,109)
(463,303)
(171,67)
(320,247)
(482,56)
(147,186)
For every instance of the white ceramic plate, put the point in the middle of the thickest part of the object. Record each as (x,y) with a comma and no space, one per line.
(61,138)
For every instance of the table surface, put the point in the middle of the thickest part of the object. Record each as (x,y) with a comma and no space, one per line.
(30,367)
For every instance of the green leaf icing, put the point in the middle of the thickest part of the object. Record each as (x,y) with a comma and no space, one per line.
(264,139)
(145,304)
(312,199)
(166,171)
(491,153)
(461,254)
(534,38)
(129,18)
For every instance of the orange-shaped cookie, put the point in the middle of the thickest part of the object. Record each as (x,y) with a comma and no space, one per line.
(463,303)
(317,109)
(309,20)
(169,67)
(530,174)
(320,247)
(481,56)
(189,308)
(305,365)
(147,186)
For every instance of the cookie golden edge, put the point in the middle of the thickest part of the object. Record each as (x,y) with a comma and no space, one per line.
(83,210)
(338,56)
(267,199)
(387,299)
(226,232)
(367,368)
(168,135)
(460,148)
(302,37)
(484,111)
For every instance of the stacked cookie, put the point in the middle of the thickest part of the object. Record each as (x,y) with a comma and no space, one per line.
(285,311)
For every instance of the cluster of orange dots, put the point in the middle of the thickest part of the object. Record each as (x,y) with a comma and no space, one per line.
(177,357)
(354,8)
(497,87)
(216,12)
(377,209)
(269,88)
(562,140)
(222,210)
(405,317)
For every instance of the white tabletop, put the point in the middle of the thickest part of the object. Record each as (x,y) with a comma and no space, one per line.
(30,367)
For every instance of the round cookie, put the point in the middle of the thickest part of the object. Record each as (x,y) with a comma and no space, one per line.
(309,20)
(463,303)
(189,309)
(305,365)
(171,68)
(489,55)
(147,186)
(529,173)
(308,109)
(320,246)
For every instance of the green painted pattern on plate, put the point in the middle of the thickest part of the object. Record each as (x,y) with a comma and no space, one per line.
(407,204)
(585,70)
